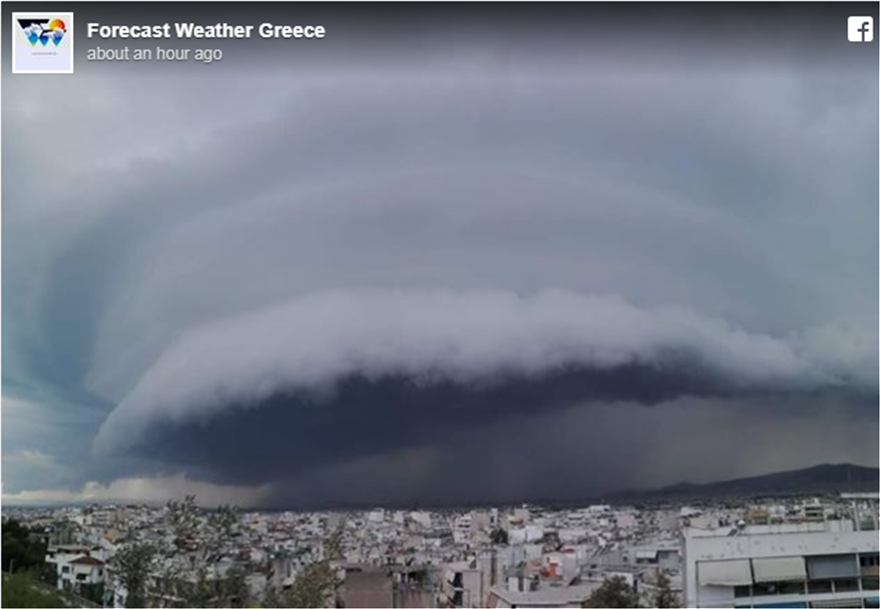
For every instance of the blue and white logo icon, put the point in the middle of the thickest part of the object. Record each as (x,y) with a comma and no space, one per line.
(42,43)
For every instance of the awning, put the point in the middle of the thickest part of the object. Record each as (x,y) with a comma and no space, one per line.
(724,573)
(832,566)
(779,569)
(646,554)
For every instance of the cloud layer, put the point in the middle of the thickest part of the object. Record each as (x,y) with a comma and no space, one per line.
(154,490)
(440,359)
(366,263)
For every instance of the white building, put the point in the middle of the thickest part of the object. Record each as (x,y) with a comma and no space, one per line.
(422,518)
(462,586)
(74,566)
(80,571)
(784,566)
(526,534)
(70,570)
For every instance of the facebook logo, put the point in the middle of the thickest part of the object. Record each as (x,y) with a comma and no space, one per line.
(860,29)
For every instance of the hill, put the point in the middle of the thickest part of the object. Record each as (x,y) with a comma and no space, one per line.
(821,479)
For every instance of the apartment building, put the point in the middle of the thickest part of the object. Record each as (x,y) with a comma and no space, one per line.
(820,565)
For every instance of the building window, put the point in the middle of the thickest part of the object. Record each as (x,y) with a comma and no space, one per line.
(65,569)
(741,591)
(845,585)
(765,589)
(819,587)
(832,566)
(771,588)
(790,587)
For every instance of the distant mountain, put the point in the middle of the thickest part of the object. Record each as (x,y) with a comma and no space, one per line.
(837,478)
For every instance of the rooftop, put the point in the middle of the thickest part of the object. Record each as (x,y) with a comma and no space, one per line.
(87,560)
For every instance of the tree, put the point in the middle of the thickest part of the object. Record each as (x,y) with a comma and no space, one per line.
(234,588)
(420,576)
(183,518)
(333,547)
(133,565)
(182,568)
(199,593)
(499,537)
(315,586)
(613,593)
(664,597)
(202,536)
(230,591)
(92,592)
(21,551)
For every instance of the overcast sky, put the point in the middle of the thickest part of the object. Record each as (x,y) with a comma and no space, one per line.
(436,285)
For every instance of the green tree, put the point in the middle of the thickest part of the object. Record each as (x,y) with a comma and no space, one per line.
(333,547)
(664,597)
(234,589)
(199,539)
(183,518)
(230,591)
(420,577)
(21,549)
(613,593)
(20,590)
(199,593)
(203,536)
(499,537)
(92,592)
(315,586)
(133,565)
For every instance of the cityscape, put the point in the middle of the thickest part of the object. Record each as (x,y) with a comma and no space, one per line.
(797,551)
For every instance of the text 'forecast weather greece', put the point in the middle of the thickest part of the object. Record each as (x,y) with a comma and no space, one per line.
(188,31)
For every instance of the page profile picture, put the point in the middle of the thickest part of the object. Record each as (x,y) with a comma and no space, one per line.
(42,43)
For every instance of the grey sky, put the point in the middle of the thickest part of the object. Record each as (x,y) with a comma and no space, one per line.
(198,248)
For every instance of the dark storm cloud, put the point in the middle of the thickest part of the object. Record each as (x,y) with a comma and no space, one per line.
(362,417)
(228,272)
(366,419)
(340,376)
(589,449)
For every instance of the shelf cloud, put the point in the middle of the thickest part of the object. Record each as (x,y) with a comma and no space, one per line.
(419,364)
